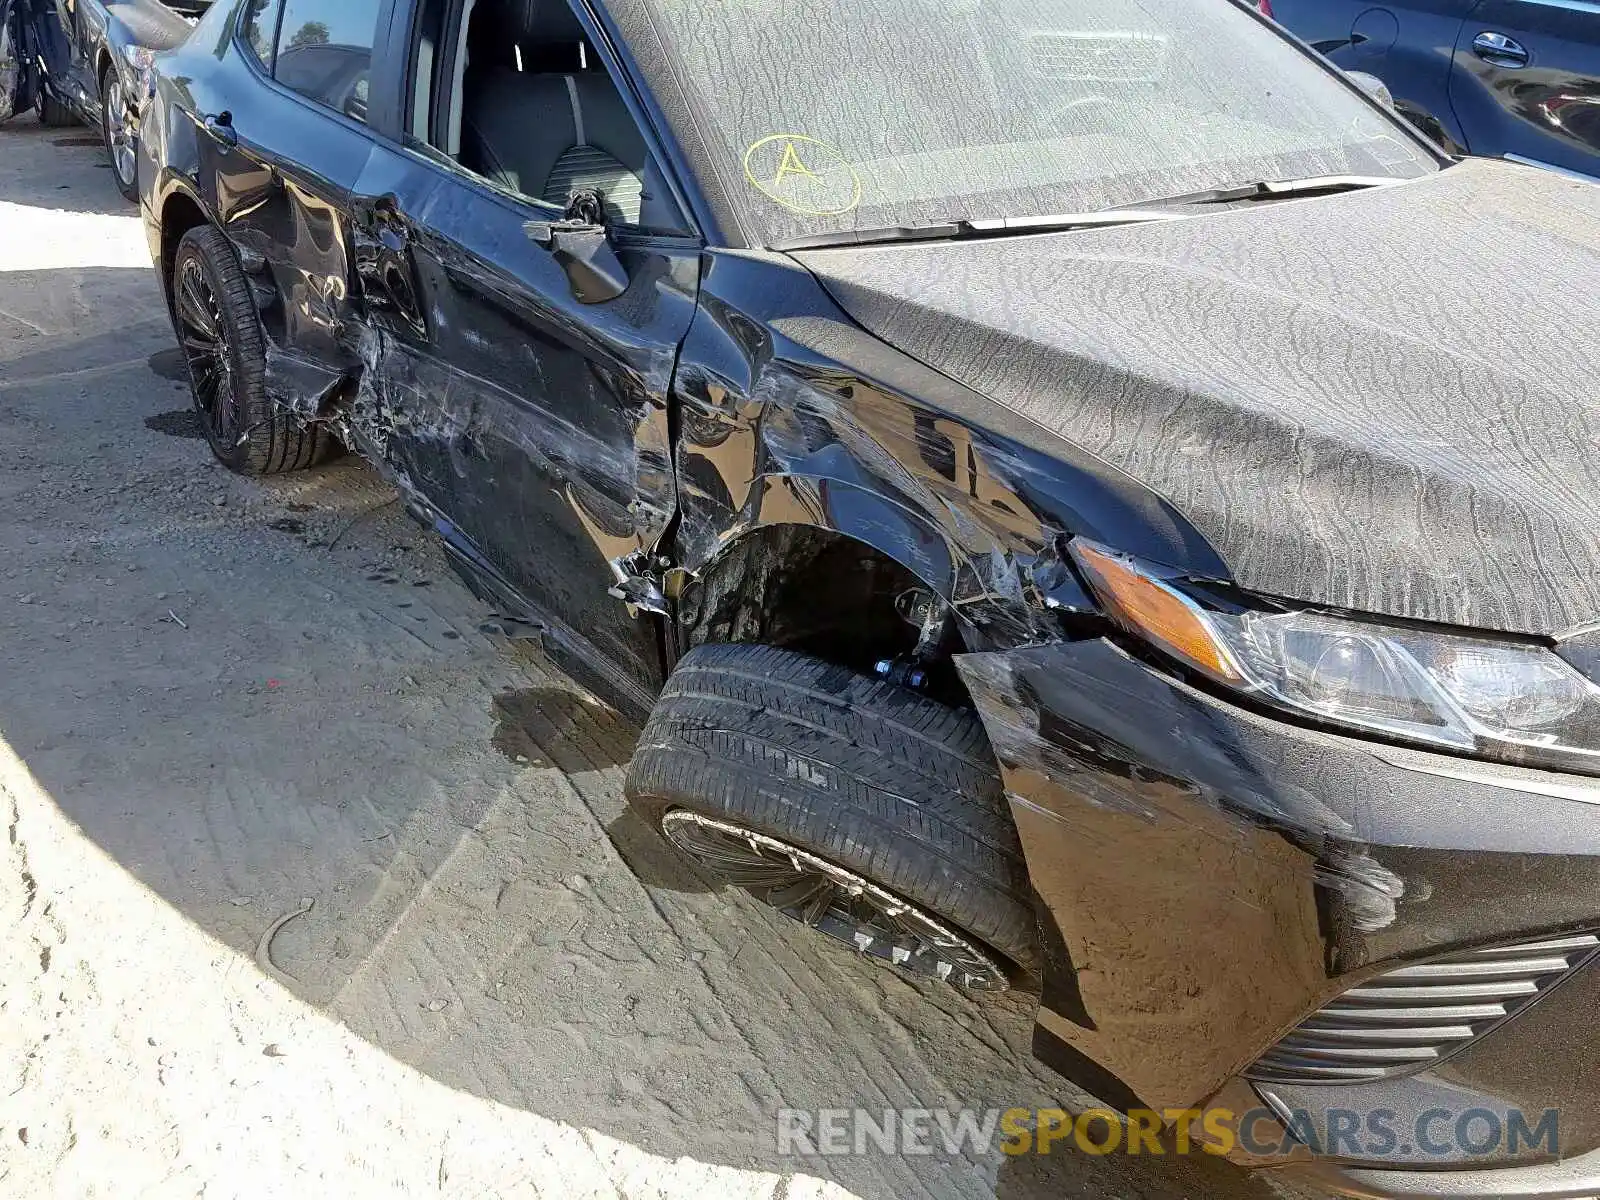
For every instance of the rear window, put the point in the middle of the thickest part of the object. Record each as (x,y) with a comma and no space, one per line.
(259,28)
(324,51)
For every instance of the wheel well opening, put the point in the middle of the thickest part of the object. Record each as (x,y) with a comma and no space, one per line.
(179,215)
(822,593)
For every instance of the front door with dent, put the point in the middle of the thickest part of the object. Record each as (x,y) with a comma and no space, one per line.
(525,408)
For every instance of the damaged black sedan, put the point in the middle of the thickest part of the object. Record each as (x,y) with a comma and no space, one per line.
(88,60)
(1066,513)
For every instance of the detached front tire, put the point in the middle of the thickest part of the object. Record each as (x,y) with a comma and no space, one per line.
(225,350)
(863,809)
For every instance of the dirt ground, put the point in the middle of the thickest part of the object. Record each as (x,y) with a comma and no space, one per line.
(225,703)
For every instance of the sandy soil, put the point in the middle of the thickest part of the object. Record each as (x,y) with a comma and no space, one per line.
(223,701)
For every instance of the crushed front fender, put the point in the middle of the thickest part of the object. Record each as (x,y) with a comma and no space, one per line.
(1207,877)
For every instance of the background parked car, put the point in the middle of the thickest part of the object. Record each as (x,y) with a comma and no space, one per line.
(1516,79)
(85,60)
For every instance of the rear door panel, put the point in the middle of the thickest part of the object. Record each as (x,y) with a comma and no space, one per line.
(281,191)
(277,169)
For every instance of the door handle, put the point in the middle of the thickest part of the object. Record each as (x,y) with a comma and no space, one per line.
(1498,50)
(219,128)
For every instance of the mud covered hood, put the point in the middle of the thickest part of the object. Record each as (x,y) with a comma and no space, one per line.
(148,23)
(1387,401)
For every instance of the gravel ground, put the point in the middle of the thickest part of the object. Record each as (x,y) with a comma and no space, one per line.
(229,708)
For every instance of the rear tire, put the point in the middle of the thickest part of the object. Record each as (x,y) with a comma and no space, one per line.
(54,113)
(223,345)
(803,783)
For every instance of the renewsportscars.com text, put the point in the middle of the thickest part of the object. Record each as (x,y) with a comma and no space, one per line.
(1371,1134)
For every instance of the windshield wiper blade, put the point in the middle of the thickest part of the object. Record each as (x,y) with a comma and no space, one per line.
(1127,214)
(1270,189)
(977,227)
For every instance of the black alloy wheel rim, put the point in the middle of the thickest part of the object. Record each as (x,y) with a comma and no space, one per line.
(835,901)
(208,353)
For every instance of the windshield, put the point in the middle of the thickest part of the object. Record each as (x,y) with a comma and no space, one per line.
(827,116)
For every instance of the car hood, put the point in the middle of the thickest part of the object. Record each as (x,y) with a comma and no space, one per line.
(1385,400)
(146,23)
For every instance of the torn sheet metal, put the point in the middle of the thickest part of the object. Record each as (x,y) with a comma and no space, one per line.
(802,419)
(528,489)
(301,385)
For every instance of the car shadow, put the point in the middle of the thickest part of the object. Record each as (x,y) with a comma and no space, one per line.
(58,169)
(246,693)
(561,728)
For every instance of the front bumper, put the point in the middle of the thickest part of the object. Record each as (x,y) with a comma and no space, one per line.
(1209,877)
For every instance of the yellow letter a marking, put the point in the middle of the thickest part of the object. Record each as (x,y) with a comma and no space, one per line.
(791,165)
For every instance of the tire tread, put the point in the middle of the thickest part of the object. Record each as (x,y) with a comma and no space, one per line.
(875,777)
(54,114)
(274,442)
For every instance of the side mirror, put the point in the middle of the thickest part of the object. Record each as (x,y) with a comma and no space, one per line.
(1374,87)
(585,254)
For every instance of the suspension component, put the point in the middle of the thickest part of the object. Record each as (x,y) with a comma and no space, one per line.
(901,673)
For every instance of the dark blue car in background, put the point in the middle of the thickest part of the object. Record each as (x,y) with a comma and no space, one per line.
(85,60)
(1516,79)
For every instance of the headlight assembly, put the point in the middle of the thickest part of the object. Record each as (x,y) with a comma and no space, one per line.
(142,60)
(1513,701)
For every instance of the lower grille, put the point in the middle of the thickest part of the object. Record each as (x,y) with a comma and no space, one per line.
(1416,1016)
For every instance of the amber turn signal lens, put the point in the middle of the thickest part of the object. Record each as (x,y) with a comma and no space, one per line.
(1153,610)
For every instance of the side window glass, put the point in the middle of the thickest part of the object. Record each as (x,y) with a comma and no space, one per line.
(325,51)
(517,96)
(260,28)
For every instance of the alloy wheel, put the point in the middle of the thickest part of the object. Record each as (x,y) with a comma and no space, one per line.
(834,901)
(119,137)
(210,357)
